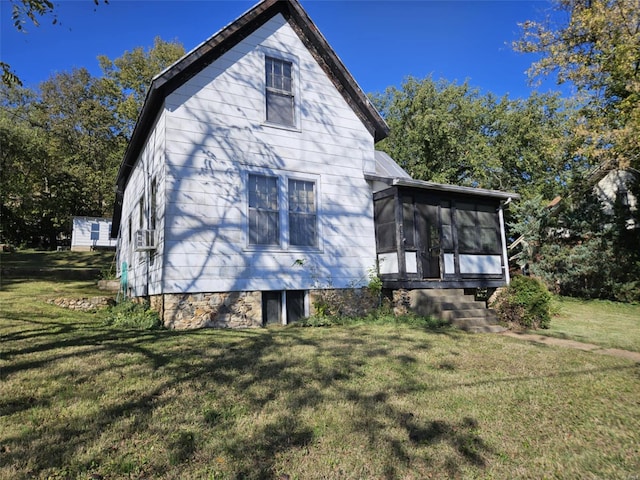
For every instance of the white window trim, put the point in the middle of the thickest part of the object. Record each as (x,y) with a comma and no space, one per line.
(283,177)
(295,87)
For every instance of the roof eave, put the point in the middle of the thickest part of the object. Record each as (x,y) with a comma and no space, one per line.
(442,187)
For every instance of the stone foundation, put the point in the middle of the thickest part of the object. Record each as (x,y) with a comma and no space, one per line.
(401,302)
(206,310)
(244,309)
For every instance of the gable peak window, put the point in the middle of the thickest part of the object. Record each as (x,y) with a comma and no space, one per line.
(279,91)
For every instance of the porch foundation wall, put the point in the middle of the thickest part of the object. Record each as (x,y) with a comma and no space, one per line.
(348,302)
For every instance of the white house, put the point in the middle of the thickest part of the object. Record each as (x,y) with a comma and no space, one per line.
(91,233)
(248,183)
(245,174)
(616,190)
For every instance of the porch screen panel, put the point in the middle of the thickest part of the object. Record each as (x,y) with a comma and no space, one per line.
(466,222)
(488,229)
(478,228)
(385,224)
(447,226)
(408,222)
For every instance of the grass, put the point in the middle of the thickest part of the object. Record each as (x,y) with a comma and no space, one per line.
(65,265)
(33,259)
(604,323)
(80,399)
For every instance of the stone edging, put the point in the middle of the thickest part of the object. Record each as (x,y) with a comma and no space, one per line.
(83,304)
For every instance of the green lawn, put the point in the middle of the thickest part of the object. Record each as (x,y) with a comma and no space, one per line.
(31,259)
(80,400)
(609,324)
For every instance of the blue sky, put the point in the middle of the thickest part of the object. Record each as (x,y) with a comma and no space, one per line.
(380,42)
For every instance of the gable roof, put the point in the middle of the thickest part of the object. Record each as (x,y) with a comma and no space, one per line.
(211,49)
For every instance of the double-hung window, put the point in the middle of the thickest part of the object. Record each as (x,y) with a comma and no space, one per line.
(282,211)
(264,215)
(302,213)
(95,231)
(279,92)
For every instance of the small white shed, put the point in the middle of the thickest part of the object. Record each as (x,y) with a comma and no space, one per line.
(91,233)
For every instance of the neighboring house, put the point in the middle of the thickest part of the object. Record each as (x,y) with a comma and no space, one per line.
(618,189)
(91,233)
(248,186)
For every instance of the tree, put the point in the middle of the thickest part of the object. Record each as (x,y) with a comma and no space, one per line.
(131,75)
(431,126)
(61,151)
(598,50)
(77,112)
(450,133)
(62,145)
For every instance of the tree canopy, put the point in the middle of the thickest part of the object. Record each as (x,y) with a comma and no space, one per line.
(596,47)
(63,144)
(448,133)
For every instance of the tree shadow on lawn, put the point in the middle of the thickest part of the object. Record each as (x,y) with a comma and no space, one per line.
(253,364)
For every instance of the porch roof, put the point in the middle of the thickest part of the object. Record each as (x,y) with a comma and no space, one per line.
(442,187)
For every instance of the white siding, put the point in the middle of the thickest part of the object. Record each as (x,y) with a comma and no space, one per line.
(216,134)
(612,186)
(144,268)
(82,229)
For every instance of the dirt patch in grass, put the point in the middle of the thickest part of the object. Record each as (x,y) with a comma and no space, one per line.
(607,324)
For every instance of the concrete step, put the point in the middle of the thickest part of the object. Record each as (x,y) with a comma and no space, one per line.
(486,329)
(462,305)
(470,322)
(454,306)
(460,314)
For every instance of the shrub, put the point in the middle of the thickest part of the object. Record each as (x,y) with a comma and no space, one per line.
(526,302)
(129,314)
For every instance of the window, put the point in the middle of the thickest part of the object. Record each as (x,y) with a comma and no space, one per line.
(282,212)
(264,216)
(302,213)
(154,194)
(272,306)
(95,231)
(130,230)
(141,213)
(622,197)
(279,92)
